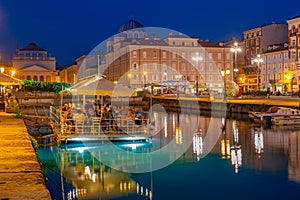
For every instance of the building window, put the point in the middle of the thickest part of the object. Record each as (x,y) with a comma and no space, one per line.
(192,77)
(145,66)
(154,77)
(257,41)
(183,43)
(293,54)
(201,67)
(299,40)
(48,78)
(183,54)
(227,66)
(134,54)
(227,56)
(35,78)
(210,66)
(257,50)
(135,77)
(202,77)
(174,65)
(193,42)
(134,66)
(210,56)
(144,54)
(183,66)
(154,66)
(42,78)
(210,77)
(174,43)
(219,56)
(165,77)
(219,66)
(154,54)
(247,43)
(173,54)
(28,77)
(164,54)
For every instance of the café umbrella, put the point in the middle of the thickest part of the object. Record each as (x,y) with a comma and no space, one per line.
(101,87)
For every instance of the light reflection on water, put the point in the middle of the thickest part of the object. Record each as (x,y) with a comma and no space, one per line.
(244,158)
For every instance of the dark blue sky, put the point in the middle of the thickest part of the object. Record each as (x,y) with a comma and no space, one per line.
(69,29)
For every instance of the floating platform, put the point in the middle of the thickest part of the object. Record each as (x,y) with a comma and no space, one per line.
(73,139)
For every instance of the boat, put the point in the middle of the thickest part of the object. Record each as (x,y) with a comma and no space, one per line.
(286,120)
(274,111)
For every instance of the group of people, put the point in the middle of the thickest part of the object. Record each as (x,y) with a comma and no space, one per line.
(91,119)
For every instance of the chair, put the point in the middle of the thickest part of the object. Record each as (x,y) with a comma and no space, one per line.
(96,126)
(79,126)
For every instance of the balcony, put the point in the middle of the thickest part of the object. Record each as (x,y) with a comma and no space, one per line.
(272,81)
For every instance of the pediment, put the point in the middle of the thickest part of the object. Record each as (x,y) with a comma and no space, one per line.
(35,68)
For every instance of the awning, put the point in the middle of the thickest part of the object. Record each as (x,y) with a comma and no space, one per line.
(9,80)
(100,86)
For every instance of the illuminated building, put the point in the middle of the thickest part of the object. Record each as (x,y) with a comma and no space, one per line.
(34,63)
(294,52)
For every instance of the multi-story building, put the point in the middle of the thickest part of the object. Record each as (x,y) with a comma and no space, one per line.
(294,51)
(34,63)
(275,68)
(256,41)
(69,74)
(136,59)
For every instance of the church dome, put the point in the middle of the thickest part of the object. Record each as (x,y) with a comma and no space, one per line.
(32,47)
(131,24)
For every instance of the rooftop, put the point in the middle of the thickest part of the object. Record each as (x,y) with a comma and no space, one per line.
(131,24)
(32,47)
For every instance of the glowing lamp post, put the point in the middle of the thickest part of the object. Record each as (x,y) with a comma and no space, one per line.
(13,72)
(145,74)
(258,60)
(129,81)
(224,73)
(235,49)
(197,58)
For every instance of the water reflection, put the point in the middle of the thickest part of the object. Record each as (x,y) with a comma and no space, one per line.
(236,152)
(90,178)
(85,172)
(258,140)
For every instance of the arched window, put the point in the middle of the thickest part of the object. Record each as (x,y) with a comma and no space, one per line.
(42,78)
(35,78)
(28,77)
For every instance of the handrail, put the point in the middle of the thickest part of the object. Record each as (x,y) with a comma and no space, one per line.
(97,125)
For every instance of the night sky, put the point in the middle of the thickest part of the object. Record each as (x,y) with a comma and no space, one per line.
(69,29)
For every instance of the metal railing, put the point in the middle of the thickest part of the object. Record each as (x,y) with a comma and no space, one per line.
(96,125)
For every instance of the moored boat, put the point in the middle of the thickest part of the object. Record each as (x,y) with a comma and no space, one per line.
(274,111)
(286,120)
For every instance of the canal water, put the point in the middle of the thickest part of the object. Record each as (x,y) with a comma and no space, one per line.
(188,157)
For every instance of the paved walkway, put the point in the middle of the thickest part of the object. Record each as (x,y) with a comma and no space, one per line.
(20,173)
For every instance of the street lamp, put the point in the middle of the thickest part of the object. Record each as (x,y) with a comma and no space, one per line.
(13,72)
(258,60)
(224,73)
(129,81)
(2,70)
(235,49)
(197,58)
(145,73)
